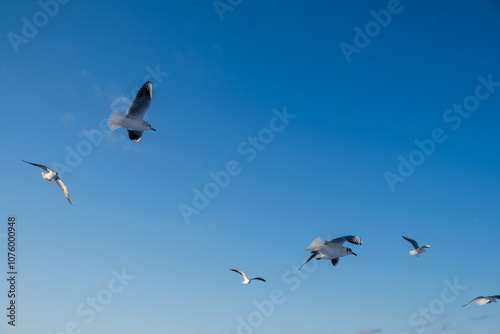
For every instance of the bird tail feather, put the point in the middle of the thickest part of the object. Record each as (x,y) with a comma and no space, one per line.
(115,120)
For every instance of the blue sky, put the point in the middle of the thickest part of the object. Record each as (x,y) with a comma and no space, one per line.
(346,160)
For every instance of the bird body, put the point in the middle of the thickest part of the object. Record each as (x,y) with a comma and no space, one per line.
(50,175)
(117,120)
(133,119)
(416,249)
(483,300)
(245,279)
(331,250)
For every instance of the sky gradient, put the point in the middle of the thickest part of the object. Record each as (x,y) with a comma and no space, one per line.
(277,122)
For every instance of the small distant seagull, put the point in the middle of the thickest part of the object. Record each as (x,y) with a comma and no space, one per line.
(416,250)
(245,279)
(132,120)
(332,250)
(50,175)
(484,300)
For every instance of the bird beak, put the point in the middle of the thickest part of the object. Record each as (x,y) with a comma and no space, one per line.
(354,254)
(153,129)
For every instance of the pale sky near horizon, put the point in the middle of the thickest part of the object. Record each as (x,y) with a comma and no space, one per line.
(277,122)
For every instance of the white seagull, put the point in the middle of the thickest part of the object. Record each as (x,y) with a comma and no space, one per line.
(416,250)
(132,120)
(332,250)
(50,175)
(484,300)
(245,279)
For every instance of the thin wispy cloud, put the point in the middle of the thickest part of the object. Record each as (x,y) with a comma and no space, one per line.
(85,73)
(481,317)
(98,91)
(369,331)
(448,327)
(68,118)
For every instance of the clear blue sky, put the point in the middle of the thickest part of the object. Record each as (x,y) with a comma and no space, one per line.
(360,95)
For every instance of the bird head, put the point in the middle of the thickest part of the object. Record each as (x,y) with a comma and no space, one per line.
(149,127)
(349,251)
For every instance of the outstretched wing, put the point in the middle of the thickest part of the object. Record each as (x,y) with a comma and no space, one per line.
(314,253)
(337,242)
(239,272)
(63,188)
(315,245)
(412,242)
(42,167)
(141,102)
(480,297)
(135,135)
(258,278)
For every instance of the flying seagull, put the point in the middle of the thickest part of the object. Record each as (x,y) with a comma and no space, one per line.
(484,300)
(245,279)
(132,120)
(332,250)
(416,250)
(50,175)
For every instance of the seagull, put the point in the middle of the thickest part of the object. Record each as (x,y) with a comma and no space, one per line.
(50,175)
(245,279)
(332,250)
(484,300)
(132,120)
(416,250)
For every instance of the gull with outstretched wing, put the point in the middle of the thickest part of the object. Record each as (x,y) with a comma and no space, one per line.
(50,175)
(245,279)
(416,250)
(483,300)
(331,250)
(133,119)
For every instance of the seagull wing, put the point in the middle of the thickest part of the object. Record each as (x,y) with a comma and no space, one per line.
(258,278)
(337,242)
(63,188)
(135,135)
(240,272)
(491,299)
(315,245)
(314,253)
(480,297)
(412,242)
(42,167)
(141,102)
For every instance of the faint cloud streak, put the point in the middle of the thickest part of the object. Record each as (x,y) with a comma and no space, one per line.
(68,118)
(369,331)
(481,317)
